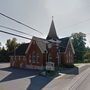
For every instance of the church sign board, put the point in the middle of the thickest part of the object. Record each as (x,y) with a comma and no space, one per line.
(50,66)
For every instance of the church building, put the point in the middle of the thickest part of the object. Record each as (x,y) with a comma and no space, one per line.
(39,52)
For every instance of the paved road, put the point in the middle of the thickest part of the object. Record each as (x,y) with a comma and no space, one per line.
(85,85)
(19,79)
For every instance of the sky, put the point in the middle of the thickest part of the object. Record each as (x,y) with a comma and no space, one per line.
(70,16)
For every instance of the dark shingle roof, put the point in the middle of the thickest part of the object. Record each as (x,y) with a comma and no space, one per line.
(20,50)
(52,32)
(41,43)
(63,44)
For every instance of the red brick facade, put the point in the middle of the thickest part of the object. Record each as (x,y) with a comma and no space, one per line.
(35,59)
(40,51)
(34,56)
(67,57)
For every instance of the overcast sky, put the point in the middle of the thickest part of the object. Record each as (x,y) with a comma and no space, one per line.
(70,16)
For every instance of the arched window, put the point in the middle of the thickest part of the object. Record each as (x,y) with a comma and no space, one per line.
(33,57)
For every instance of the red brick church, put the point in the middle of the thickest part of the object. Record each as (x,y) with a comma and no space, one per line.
(39,52)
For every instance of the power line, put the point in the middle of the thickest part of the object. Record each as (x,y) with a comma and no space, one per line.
(37,30)
(14,30)
(14,34)
(30,38)
(20,22)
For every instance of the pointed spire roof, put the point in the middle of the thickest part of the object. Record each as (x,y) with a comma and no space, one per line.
(52,32)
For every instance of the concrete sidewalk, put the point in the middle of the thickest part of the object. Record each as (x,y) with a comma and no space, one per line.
(77,80)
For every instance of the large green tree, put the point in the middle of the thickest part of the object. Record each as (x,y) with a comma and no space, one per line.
(11,44)
(79,45)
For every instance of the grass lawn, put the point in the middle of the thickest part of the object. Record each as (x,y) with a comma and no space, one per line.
(80,64)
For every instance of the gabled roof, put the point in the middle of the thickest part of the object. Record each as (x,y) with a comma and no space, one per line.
(20,50)
(64,43)
(40,42)
(52,32)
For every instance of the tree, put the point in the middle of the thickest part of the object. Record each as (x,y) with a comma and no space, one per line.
(87,55)
(87,49)
(4,55)
(78,40)
(11,44)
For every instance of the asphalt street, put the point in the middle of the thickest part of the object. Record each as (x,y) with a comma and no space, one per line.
(21,79)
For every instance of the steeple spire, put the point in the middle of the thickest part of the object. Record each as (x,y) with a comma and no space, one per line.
(52,32)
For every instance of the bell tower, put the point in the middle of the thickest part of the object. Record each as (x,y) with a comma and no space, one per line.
(52,32)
